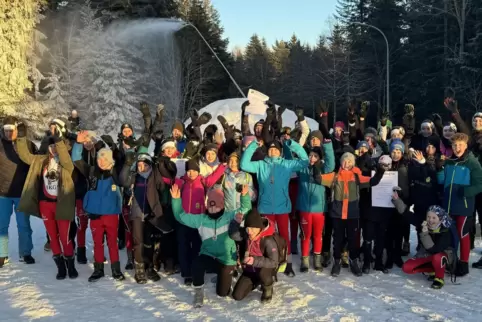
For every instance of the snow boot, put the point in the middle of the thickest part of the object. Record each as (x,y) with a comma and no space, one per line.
(47,246)
(130,261)
(367,257)
(477,264)
(431,277)
(355,267)
(345,261)
(61,268)
(71,267)
(116,272)
(98,272)
(188,281)
(152,274)
(81,255)
(294,246)
(28,259)
(305,264)
(462,269)
(267,294)
(317,263)
(366,266)
(198,296)
(169,267)
(335,270)
(3,261)
(380,267)
(140,274)
(438,283)
(289,270)
(326,259)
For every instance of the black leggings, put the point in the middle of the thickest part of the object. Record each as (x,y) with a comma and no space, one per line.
(327,233)
(204,263)
(345,228)
(250,280)
(374,232)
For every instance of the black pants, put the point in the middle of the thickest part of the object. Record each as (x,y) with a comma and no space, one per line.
(394,236)
(374,232)
(327,233)
(478,212)
(204,263)
(142,236)
(121,229)
(189,245)
(248,281)
(345,228)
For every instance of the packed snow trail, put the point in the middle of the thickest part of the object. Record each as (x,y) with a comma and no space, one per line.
(31,293)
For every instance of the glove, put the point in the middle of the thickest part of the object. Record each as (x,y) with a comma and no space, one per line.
(439,163)
(410,109)
(56,136)
(351,112)
(364,109)
(409,125)
(108,140)
(71,136)
(380,170)
(145,109)
(244,105)
(437,120)
(281,110)
(194,115)
(204,118)
(223,121)
(451,105)
(300,113)
(129,141)
(130,158)
(160,109)
(270,111)
(99,145)
(158,135)
(21,130)
(270,104)
(322,109)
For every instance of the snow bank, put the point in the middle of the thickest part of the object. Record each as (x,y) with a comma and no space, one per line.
(231,110)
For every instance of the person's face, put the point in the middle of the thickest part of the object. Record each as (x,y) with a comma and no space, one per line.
(426,130)
(433,221)
(176,134)
(314,157)
(192,174)
(211,156)
(459,148)
(285,137)
(396,155)
(127,132)
(362,150)
(233,164)
(430,150)
(253,232)
(478,123)
(103,164)
(347,164)
(448,132)
(74,114)
(273,152)
(397,136)
(11,135)
(88,145)
(370,141)
(143,167)
(338,132)
(53,150)
(315,142)
(258,129)
(52,128)
(169,151)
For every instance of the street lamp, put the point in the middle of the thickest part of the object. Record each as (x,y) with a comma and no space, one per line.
(188,24)
(388,59)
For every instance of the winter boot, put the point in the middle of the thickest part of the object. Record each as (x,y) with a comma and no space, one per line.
(430,277)
(81,255)
(366,266)
(326,259)
(462,269)
(398,261)
(198,296)
(305,264)
(294,246)
(188,281)
(130,261)
(367,257)
(169,267)
(116,272)
(289,270)
(28,259)
(355,267)
(140,274)
(71,267)
(335,270)
(345,261)
(98,272)
(477,264)
(405,249)
(61,269)
(267,294)
(317,263)
(3,261)
(380,267)
(438,283)
(47,246)
(152,274)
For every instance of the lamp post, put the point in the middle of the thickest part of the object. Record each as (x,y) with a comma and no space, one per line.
(388,59)
(188,24)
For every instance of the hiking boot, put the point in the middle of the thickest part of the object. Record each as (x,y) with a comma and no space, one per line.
(380,267)
(355,267)
(28,259)
(326,259)
(431,277)
(188,281)
(366,266)
(116,272)
(140,274)
(71,271)
(405,251)
(151,274)
(130,261)
(305,264)
(3,261)
(289,270)
(47,246)
(98,272)
(61,268)
(438,283)
(345,261)
(335,270)
(169,267)
(267,294)
(462,269)
(317,262)
(477,264)
(81,255)
(198,296)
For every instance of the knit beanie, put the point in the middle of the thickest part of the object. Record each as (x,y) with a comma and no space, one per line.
(254,220)
(10,123)
(317,134)
(318,151)
(211,147)
(234,155)
(145,157)
(106,154)
(178,126)
(339,124)
(126,126)
(168,143)
(385,160)
(362,144)
(398,130)
(286,130)
(397,145)
(215,197)
(192,164)
(371,132)
(277,145)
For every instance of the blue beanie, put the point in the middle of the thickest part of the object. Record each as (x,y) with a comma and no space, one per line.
(362,144)
(397,145)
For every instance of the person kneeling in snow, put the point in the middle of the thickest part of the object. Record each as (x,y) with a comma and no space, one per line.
(218,251)
(261,258)
(436,239)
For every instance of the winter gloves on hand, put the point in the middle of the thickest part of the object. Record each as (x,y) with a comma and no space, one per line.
(21,130)
(108,140)
(300,113)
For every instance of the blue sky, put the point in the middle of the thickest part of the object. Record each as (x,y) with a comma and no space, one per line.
(274,19)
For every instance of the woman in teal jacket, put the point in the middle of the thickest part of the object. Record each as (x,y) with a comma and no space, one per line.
(274,173)
(218,251)
(312,202)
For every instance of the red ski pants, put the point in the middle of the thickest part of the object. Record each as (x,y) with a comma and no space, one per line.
(463,229)
(128,228)
(58,230)
(82,222)
(430,264)
(283,224)
(312,224)
(107,224)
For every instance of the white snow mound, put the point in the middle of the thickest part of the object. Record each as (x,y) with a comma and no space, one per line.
(231,110)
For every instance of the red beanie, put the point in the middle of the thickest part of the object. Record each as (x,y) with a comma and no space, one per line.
(339,124)
(215,197)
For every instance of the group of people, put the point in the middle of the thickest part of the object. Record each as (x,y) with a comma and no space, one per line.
(244,200)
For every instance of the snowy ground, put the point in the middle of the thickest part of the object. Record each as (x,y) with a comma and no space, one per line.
(31,293)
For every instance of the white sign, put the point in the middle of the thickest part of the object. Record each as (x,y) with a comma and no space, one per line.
(382,192)
(181,166)
(256,102)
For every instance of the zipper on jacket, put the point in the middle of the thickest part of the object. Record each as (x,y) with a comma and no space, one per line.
(451,185)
